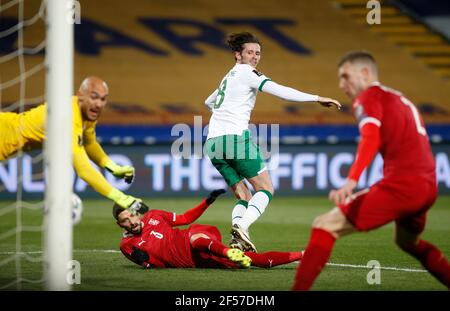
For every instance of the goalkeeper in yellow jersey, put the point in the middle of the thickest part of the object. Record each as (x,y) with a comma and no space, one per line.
(27,131)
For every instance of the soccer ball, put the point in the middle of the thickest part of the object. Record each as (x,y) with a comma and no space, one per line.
(77,209)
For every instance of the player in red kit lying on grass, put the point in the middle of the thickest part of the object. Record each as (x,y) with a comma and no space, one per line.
(152,241)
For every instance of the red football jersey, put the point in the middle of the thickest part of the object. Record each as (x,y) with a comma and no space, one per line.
(166,246)
(404,146)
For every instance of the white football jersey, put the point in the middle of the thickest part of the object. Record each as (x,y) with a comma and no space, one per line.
(233,102)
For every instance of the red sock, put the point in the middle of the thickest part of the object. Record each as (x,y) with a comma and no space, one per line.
(432,259)
(272,259)
(316,256)
(207,245)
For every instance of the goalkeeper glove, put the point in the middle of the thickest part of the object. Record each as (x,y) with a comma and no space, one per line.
(127,201)
(213,195)
(126,172)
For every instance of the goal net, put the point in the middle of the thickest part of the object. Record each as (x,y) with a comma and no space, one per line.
(36,56)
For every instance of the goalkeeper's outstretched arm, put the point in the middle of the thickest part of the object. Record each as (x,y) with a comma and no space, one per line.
(96,153)
(96,180)
(93,149)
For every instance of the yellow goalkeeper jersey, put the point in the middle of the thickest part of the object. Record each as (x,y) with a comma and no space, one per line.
(27,131)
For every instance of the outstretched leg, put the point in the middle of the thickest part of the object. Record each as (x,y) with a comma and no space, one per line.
(272,259)
(429,255)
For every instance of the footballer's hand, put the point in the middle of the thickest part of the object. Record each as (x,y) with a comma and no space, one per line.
(213,195)
(126,172)
(329,102)
(339,196)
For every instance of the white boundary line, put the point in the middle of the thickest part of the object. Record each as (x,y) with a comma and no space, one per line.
(328,264)
(381,268)
(75,251)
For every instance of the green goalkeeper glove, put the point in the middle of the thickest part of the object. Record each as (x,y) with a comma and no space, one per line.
(126,172)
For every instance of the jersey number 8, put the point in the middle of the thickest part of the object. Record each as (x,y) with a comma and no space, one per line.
(221,94)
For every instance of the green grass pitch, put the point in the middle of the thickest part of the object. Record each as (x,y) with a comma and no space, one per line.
(284,226)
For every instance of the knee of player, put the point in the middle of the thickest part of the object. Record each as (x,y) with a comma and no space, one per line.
(197,236)
(322,222)
(318,222)
(243,195)
(404,245)
(406,240)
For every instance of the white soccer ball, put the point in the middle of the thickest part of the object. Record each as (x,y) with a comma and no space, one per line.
(77,209)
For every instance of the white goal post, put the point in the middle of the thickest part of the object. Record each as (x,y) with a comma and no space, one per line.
(58,146)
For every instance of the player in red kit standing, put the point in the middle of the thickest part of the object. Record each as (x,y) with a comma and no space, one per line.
(390,124)
(152,241)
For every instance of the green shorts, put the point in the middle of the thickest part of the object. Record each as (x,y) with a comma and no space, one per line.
(235,157)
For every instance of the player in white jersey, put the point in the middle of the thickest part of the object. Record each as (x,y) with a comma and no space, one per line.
(228,143)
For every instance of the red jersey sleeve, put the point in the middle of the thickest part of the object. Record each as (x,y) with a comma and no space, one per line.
(129,246)
(368,108)
(367,149)
(169,217)
(187,218)
(192,214)
(368,112)
(131,249)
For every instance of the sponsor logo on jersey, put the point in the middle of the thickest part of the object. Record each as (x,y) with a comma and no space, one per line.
(256,72)
(153,222)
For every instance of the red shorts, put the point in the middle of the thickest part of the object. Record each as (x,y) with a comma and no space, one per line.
(211,231)
(207,259)
(403,199)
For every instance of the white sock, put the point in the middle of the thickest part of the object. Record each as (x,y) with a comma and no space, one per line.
(238,211)
(256,207)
